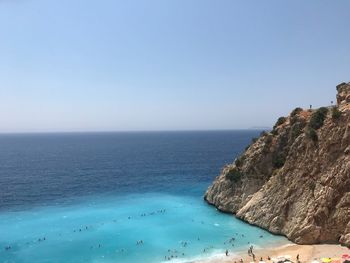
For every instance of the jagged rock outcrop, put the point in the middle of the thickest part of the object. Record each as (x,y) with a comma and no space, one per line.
(343,95)
(294,180)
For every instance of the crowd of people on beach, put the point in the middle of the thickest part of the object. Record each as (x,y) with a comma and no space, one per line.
(345,258)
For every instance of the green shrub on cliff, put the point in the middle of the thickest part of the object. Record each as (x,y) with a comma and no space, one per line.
(312,134)
(296,111)
(317,118)
(336,113)
(297,129)
(234,175)
(279,122)
(278,161)
(239,161)
(294,120)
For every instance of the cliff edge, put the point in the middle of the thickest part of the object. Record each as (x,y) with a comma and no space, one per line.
(294,180)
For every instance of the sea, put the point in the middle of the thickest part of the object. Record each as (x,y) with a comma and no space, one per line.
(118,197)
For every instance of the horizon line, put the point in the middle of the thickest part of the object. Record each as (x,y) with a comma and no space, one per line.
(132,131)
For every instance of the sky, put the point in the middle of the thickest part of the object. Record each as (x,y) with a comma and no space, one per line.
(116,65)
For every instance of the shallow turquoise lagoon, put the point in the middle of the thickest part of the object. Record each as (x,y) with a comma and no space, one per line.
(137,228)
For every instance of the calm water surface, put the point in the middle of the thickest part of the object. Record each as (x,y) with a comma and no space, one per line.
(93,197)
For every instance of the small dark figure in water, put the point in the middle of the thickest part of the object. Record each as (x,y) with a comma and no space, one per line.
(226,252)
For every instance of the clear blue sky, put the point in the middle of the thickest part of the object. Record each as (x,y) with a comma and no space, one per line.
(105,65)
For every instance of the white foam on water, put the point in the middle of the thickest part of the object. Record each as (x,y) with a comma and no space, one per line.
(214,256)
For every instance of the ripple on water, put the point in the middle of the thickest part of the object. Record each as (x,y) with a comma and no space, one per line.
(135,228)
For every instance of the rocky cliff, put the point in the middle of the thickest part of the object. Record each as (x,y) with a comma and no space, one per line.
(294,180)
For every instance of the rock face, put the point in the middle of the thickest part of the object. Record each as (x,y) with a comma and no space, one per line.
(343,95)
(294,180)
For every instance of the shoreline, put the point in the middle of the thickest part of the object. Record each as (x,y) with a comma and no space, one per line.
(307,253)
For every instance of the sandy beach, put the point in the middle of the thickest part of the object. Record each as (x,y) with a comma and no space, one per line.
(306,253)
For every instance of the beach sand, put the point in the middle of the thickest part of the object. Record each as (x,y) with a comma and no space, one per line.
(307,253)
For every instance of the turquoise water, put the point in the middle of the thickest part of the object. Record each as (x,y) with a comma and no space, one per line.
(108,229)
(118,198)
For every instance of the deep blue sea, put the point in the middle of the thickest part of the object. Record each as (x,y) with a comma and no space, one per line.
(118,197)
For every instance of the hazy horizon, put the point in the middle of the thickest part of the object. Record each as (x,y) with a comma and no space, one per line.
(134,131)
(120,66)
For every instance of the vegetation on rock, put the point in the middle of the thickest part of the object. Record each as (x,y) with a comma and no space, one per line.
(279,122)
(312,134)
(291,186)
(233,175)
(239,161)
(297,129)
(278,161)
(336,113)
(317,118)
(296,111)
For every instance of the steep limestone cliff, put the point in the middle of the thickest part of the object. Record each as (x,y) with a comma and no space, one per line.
(294,180)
